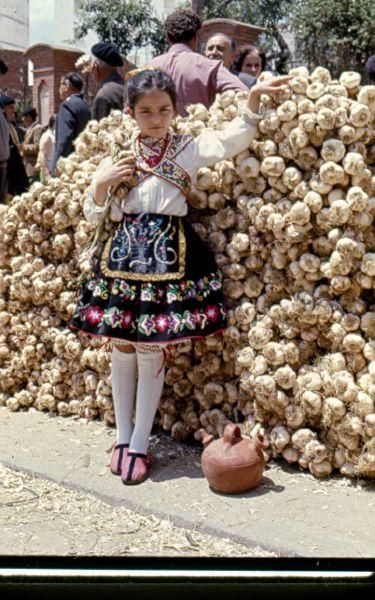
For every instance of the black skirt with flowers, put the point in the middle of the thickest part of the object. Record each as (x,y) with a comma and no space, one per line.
(155,282)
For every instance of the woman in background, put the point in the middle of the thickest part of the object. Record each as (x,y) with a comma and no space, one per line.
(46,150)
(250,60)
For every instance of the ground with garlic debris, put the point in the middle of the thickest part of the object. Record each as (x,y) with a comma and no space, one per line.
(40,517)
(59,497)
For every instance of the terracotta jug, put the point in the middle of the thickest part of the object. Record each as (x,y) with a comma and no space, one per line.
(232,464)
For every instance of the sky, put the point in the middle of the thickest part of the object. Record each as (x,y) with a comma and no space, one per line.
(51,22)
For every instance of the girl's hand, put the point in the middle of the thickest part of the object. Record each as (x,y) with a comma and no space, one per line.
(112,175)
(119,172)
(272,86)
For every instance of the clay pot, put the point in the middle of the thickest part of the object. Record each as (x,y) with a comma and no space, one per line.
(232,464)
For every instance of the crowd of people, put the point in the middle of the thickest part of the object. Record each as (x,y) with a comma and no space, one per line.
(30,151)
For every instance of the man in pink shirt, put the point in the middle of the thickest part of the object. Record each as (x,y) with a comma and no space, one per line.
(197,78)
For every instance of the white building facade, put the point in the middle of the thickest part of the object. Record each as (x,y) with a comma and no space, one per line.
(163,8)
(14,24)
(52,22)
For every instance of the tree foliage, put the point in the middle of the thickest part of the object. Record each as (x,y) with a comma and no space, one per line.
(130,24)
(262,13)
(337,34)
(127,24)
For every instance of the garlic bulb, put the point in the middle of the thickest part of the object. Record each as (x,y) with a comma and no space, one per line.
(333,150)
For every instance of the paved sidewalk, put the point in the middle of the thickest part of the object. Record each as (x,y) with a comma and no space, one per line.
(290,513)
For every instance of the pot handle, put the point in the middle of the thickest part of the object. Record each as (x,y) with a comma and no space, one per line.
(204,437)
(232,433)
(261,442)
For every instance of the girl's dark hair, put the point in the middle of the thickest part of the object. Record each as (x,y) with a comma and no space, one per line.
(243,52)
(50,124)
(148,80)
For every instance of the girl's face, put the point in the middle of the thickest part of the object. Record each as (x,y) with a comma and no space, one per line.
(252,64)
(153,112)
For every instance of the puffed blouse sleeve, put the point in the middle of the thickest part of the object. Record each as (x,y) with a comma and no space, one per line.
(92,211)
(209,147)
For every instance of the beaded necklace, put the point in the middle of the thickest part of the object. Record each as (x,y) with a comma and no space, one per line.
(152,155)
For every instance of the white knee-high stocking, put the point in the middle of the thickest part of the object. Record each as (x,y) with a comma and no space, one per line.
(150,386)
(124,371)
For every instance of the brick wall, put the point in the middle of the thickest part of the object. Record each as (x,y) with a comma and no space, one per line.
(50,63)
(63,62)
(15,82)
(242,33)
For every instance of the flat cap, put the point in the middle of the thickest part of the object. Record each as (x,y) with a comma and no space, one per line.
(6,100)
(107,53)
(3,67)
(30,111)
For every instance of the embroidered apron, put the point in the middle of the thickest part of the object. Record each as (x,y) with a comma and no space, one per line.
(150,247)
(146,247)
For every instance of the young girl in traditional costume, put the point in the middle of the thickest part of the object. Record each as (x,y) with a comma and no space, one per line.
(155,282)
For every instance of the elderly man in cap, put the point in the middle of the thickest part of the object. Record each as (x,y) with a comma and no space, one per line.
(4,144)
(72,117)
(30,145)
(104,62)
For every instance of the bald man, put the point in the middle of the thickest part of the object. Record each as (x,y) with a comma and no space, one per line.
(222,47)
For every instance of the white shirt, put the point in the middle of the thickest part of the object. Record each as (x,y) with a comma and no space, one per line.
(46,151)
(155,195)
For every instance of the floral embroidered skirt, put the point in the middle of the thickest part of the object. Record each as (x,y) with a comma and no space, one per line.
(155,282)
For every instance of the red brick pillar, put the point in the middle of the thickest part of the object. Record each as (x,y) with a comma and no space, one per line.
(15,82)
(50,64)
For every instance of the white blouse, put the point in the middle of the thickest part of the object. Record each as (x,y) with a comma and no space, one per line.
(155,195)
(46,152)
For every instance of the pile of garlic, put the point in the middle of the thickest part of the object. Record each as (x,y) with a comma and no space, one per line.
(291,223)
(42,363)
